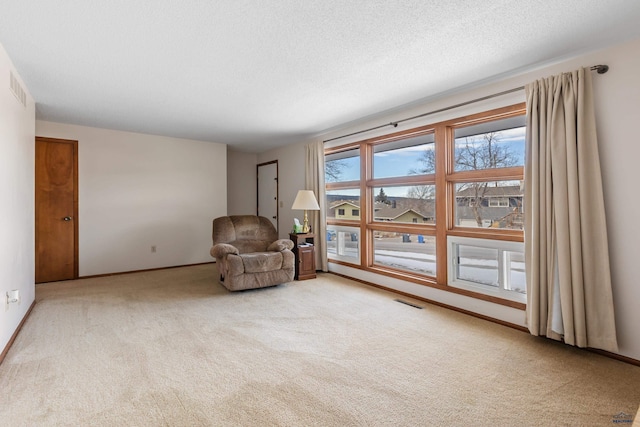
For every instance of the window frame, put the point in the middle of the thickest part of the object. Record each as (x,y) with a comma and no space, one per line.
(498,200)
(503,247)
(346,229)
(444,179)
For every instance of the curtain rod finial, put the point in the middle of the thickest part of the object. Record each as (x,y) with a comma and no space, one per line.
(601,69)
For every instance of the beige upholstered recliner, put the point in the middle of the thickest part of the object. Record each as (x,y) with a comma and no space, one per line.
(249,254)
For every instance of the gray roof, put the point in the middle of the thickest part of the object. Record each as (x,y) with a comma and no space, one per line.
(396,207)
(491,191)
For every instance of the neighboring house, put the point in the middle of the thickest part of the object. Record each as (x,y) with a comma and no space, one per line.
(345,210)
(500,207)
(400,209)
(396,210)
(410,216)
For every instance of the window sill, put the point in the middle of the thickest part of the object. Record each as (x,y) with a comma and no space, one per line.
(419,280)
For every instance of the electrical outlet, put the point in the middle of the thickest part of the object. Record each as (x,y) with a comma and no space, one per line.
(12,297)
(153,249)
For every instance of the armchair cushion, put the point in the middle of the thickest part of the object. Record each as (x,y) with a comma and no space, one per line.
(280,245)
(234,266)
(259,262)
(222,249)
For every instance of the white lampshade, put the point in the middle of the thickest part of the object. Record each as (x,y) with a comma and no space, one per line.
(305,200)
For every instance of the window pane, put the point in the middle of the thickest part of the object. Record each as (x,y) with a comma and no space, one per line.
(343,166)
(415,204)
(515,267)
(343,243)
(491,267)
(496,144)
(411,156)
(495,204)
(343,204)
(478,265)
(415,253)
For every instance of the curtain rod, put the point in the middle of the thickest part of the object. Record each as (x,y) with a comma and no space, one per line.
(601,69)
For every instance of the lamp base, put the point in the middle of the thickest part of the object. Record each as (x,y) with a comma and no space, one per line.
(305,224)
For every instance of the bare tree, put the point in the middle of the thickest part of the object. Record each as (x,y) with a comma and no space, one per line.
(428,161)
(421,199)
(482,152)
(474,153)
(422,192)
(333,170)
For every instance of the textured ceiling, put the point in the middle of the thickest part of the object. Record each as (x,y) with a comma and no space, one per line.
(261,74)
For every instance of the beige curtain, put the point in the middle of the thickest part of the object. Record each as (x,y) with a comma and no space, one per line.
(566,251)
(314,180)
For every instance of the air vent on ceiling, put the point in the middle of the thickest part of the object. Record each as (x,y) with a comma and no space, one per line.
(17,90)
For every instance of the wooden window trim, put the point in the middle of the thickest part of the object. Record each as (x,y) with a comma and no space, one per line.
(445,178)
(404,227)
(426,281)
(488,116)
(345,185)
(494,234)
(402,181)
(400,135)
(341,222)
(340,148)
(515,173)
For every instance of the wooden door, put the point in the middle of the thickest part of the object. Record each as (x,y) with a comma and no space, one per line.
(268,191)
(56,209)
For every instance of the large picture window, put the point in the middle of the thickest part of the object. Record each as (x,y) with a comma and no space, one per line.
(403,204)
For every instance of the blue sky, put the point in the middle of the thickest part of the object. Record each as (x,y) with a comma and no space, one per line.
(402,161)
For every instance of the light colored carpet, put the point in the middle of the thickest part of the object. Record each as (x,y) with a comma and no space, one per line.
(174,348)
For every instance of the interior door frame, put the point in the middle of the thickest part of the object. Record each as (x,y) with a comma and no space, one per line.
(76,251)
(277,190)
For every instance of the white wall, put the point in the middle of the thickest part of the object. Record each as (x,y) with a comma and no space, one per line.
(138,191)
(241,183)
(17,154)
(617,112)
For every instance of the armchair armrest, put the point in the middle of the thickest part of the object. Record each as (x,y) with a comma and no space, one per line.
(222,249)
(280,245)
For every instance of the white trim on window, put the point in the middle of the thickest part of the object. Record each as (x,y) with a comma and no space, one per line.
(343,243)
(503,287)
(498,202)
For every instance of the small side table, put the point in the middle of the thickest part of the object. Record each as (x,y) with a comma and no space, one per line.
(304,250)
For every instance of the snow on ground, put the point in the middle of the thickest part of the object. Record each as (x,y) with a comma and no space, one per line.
(476,270)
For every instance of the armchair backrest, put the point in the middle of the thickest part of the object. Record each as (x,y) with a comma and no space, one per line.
(248,233)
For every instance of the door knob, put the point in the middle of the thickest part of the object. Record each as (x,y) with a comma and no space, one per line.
(275,217)
(66,218)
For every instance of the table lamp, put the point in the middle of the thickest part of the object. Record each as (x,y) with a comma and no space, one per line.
(305,200)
